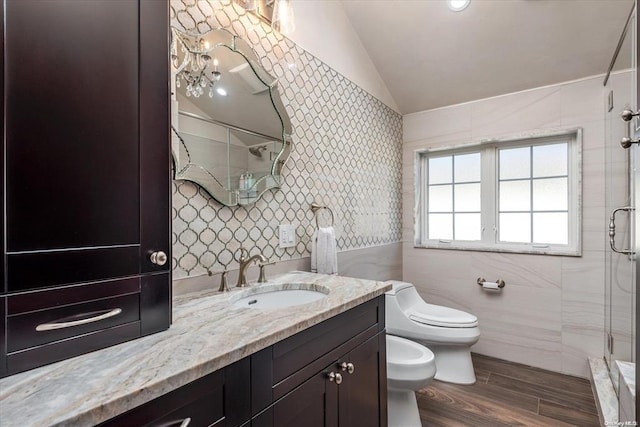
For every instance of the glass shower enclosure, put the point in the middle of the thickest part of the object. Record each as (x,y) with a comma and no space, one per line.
(621,185)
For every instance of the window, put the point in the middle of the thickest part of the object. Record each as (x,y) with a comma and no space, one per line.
(512,195)
(453,188)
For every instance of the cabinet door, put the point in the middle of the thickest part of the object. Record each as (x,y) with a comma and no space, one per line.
(87,151)
(312,404)
(3,340)
(362,401)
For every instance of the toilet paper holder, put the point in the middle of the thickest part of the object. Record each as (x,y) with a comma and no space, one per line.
(501,284)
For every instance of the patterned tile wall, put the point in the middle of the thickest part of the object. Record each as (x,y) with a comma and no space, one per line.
(347,154)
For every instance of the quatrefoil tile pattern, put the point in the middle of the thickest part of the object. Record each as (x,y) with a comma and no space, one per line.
(346,154)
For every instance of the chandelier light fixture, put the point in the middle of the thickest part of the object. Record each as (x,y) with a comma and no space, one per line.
(197,70)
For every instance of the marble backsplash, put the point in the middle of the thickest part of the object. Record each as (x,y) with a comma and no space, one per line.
(347,154)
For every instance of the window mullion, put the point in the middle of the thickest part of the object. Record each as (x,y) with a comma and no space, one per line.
(453,197)
(424,195)
(531,195)
(488,192)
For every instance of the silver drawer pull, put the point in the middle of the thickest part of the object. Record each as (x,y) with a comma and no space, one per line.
(61,325)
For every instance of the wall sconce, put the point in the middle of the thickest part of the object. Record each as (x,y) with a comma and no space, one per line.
(278,13)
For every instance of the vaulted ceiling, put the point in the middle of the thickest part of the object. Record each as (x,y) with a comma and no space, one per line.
(429,56)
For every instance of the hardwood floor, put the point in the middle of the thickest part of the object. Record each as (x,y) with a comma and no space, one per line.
(509,394)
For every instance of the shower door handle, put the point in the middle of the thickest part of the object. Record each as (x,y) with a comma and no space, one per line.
(626,142)
(627,115)
(612,231)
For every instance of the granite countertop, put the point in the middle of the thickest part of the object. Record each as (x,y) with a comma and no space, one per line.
(207,334)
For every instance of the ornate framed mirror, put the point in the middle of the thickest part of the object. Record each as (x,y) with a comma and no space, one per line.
(230,132)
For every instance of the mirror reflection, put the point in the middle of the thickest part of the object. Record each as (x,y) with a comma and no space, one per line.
(231,134)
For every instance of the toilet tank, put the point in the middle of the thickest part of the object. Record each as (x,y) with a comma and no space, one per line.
(397,302)
(403,295)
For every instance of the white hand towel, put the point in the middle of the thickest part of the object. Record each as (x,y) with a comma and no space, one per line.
(326,251)
(314,252)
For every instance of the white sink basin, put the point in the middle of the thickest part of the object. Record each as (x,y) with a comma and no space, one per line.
(280,296)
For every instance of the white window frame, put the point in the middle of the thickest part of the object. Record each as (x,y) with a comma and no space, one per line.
(489,193)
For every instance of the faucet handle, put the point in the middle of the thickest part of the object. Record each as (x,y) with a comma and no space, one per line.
(243,253)
(262,278)
(224,287)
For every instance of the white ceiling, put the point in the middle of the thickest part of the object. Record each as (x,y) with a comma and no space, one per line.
(429,56)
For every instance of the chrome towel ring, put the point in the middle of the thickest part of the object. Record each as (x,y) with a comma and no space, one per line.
(316,207)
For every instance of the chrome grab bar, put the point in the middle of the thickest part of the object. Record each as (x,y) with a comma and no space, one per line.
(612,231)
(61,325)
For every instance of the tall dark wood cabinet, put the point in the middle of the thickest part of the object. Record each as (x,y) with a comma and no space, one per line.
(86,174)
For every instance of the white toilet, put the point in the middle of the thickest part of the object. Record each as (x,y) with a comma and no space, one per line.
(449,333)
(410,367)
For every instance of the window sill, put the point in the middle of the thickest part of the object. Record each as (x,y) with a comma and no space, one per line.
(499,249)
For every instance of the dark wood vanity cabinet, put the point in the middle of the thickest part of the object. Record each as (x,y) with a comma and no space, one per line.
(86,177)
(358,400)
(331,374)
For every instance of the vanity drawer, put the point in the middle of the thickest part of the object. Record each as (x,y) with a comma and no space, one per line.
(222,398)
(70,312)
(201,402)
(292,354)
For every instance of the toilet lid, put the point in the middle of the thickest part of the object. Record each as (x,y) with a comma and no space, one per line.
(436,315)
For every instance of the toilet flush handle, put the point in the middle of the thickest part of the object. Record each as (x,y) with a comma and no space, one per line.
(349,367)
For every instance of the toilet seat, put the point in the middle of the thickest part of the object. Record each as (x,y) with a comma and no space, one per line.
(436,315)
(417,310)
(410,365)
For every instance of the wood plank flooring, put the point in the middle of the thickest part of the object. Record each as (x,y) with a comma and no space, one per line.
(509,394)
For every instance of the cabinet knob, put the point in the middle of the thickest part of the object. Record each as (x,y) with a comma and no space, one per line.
(335,377)
(158,258)
(349,367)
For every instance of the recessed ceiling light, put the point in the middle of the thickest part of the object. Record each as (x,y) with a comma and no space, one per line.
(221,91)
(457,5)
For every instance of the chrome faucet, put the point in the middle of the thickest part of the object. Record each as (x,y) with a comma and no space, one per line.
(244,263)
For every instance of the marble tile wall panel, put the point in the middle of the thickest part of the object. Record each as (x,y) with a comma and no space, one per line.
(437,124)
(347,151)
(551,313)
(627,391)
(514,113)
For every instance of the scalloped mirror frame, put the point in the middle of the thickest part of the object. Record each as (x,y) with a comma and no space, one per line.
(205,179)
